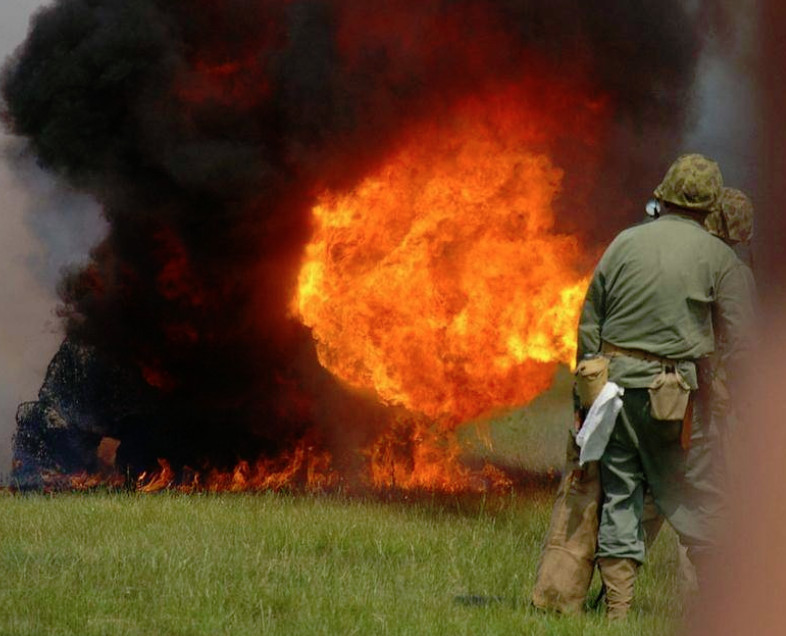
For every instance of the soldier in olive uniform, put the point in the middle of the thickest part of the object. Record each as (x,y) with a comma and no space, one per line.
(657,296)
(733,224)
(567,561)
(708,462)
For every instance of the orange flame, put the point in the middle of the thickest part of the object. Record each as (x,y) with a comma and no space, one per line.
(306,466)
(418,457)
(439,282)
(411,456)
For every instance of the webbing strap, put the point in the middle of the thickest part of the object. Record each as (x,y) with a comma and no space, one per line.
(612,351)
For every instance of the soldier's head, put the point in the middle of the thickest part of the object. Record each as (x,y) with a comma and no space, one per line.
(734,221)
(692,185)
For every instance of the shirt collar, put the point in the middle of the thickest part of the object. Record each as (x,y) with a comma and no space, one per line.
(676,216)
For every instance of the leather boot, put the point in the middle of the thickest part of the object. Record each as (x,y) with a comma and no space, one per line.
(618,576)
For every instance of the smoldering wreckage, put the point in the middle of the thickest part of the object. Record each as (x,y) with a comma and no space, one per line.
(337,230)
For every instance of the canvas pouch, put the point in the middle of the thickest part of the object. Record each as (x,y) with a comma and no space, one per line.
(568,558)
(669,395)
(591,376)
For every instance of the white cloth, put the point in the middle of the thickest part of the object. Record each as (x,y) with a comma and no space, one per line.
(596,429)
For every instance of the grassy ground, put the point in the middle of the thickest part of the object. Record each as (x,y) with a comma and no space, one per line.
(125,563)
(279,564)
(532,437)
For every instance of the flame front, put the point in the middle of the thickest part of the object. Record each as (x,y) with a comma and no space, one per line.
(439,281)
(410,456)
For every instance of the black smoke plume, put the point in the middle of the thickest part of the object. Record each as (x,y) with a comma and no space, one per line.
(205,128)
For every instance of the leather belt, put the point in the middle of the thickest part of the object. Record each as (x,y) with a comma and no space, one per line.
(612,351)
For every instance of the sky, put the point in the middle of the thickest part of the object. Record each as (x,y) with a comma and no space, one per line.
(25,305)
(44,226)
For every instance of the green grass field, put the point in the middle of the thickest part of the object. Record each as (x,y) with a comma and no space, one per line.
(104,563)
(532,437)
(126,563)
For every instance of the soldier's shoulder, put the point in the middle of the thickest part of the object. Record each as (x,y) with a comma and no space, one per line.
(631,232)
(718,248)
(724,260)
(621,240)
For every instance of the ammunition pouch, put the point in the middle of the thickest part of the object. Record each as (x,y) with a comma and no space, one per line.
(669,391)
(669,395)
(591,376)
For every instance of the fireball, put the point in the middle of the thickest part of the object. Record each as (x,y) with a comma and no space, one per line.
(440,281)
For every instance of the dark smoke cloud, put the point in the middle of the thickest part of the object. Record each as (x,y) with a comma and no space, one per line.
(92,86)
(205,129)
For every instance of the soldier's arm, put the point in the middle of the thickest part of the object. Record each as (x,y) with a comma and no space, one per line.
(592,313)
(734,309)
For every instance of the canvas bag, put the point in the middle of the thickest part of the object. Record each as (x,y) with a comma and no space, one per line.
(568,557)
(591,376)
(669,395)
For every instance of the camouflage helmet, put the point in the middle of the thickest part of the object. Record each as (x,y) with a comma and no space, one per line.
(734,221)
(693,182)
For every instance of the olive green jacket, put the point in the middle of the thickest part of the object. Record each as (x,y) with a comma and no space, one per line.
(667,287)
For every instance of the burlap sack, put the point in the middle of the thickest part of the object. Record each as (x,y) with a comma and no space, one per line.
(568,557)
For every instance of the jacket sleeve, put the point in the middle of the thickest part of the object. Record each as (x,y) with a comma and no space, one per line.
(592,316)
(734,310)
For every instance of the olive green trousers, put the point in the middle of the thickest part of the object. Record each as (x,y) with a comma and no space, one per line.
(685,485)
